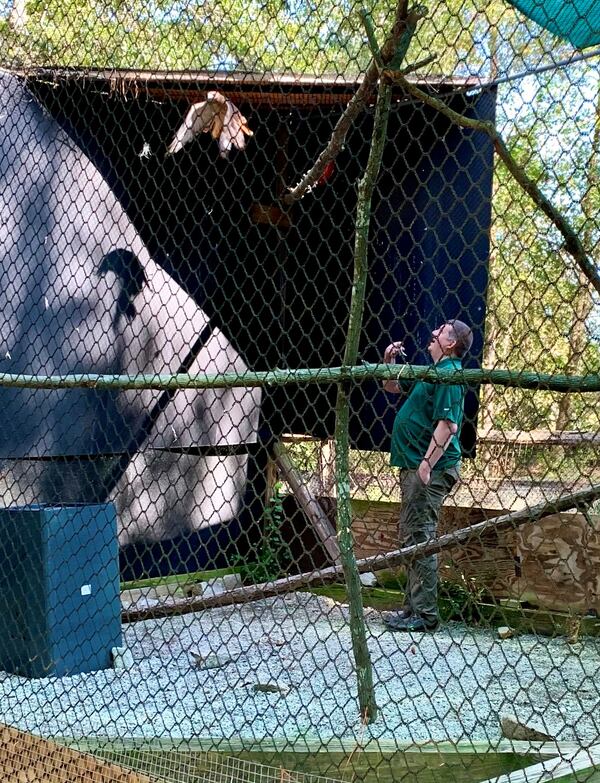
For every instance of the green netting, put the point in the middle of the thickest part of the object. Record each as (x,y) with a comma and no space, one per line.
(577,21)
(299,374)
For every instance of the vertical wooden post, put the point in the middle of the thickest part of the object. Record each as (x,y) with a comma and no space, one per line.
(398,43)
(364,669)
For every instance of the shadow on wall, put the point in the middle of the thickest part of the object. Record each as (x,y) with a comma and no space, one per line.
(81,294)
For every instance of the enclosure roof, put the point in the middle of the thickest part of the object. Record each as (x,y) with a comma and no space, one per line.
(274,89)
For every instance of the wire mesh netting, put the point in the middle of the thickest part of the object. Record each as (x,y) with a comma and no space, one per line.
(299,373)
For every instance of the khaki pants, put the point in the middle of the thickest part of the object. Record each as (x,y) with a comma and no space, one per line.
(419,514)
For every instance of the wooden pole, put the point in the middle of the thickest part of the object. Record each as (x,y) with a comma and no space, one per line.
(366,188)
(353,374)
(364,669)
(308,503)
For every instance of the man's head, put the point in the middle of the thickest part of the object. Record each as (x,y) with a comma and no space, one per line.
(454,338)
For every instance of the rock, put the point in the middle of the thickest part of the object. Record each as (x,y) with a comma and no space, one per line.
(271,687)
(210,661)
(513,729)
(504,632)
(232,581)
(368,579)
(192,589)
(168,589)
(213,587)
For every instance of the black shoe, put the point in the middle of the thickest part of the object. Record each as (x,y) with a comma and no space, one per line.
(398,617)
(413,623)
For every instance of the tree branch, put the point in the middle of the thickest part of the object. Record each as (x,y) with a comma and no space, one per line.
(350,374)
(393,75)
(358,101)
(366,187)
(572,242)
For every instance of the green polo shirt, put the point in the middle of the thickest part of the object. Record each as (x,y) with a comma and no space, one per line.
(417,418)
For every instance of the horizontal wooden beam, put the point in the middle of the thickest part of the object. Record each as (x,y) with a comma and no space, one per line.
(319,375)
(323,745)
(584,760)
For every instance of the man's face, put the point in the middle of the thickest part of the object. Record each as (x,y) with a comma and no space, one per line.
(442,342)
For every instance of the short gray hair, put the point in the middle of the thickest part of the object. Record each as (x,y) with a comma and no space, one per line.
(463,335)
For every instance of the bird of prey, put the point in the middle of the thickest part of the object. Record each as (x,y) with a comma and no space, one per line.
(217,116)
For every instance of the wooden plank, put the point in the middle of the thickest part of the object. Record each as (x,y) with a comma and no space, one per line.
(560,563)
(585,760)
(323,745)
(26,757)
(308,502)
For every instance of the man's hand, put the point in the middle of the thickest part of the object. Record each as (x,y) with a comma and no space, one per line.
(424,472)
(389,356)
(393,350)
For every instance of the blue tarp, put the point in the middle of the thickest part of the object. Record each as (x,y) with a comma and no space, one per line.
(577,21)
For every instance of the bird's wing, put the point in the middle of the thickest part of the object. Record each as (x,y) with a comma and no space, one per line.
(234,130)
(217,124)
(201,117)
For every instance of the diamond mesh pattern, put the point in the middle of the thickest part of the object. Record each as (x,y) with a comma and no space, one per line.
(176,604)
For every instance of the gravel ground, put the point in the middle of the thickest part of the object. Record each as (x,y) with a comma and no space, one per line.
(451,685)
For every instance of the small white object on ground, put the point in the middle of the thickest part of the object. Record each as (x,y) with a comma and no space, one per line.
(504,632)
(368,579)
(214,587)
(122,658)
(232,581)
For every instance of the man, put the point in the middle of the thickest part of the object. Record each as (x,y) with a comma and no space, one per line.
(426,447)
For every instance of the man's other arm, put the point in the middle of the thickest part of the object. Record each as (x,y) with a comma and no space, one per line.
(442,435)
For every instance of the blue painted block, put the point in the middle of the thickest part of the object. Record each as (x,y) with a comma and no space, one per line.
(59,589)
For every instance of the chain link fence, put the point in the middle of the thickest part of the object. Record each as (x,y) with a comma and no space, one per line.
(239,243)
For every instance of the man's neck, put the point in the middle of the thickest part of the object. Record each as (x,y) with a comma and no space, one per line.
(445,356)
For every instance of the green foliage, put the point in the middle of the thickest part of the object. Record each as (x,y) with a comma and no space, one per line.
(460,599)
(273,555)
(259,35)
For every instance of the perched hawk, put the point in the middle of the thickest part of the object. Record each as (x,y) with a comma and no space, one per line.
(218,116)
